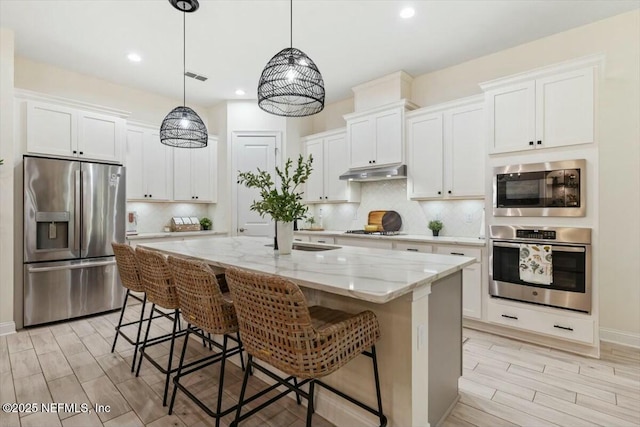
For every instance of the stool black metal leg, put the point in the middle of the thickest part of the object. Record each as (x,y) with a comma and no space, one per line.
(221,379)
(295,383)
(176,322)
(310,409)
(135,348)
(146,337)
(210,348)
(177,378)
(124,305)
(240,345)
(242,391)
(383,419)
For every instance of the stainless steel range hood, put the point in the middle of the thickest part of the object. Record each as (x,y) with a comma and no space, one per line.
(376,174)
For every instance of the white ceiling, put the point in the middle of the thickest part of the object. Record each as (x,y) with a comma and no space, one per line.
(230,41)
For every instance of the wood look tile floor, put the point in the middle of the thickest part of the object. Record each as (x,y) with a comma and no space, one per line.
(505,382)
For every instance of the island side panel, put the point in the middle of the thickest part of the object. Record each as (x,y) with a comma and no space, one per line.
(445,345)
(394,351)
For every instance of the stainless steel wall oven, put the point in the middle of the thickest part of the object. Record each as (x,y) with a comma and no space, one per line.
(569,262)
(540,189)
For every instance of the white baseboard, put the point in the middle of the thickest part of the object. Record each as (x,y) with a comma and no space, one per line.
(615,336)
(7,328)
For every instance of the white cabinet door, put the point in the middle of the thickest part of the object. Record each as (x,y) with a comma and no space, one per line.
(472,291)
(388,137)
(425,156)
(465,151)
(204,163)
(182,175)
(335,164)
(511,113)
(361,142)
(134,163)
(100,136)
(157,167)
(51,129)
(314,190)
(564,109)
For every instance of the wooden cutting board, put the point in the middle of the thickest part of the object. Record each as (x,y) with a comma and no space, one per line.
(385,220)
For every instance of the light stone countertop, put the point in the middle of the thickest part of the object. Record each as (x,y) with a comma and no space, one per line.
(375,275)
(173,234)
(420,238)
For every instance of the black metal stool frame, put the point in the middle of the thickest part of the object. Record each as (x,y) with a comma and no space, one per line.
(307,395)
(203,363)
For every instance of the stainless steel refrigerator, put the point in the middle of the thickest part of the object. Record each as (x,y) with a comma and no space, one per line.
(73,210)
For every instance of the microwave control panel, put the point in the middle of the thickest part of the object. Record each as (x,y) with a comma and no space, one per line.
(536,234)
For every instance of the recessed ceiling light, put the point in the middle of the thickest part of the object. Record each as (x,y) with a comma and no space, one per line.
(134,57)
(407,12)
(239,92)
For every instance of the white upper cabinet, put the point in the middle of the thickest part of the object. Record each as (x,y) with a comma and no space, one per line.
(446,150)
(376,137)
(63,130)
(148,165)
(551,107)
(330,160)
(195,173)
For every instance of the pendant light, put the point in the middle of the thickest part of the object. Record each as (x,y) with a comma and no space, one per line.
(291,84)
(183,127)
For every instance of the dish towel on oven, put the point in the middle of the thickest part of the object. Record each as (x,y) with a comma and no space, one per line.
(536,264)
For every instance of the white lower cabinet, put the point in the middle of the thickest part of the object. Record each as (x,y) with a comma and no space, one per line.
(364,243)
(413,247)
(322,239)
(300,238)
(544,321)
(471,279)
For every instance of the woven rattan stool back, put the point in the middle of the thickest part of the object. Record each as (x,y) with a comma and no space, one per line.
(201,302)
(157,278)
(275,325)
(127,267)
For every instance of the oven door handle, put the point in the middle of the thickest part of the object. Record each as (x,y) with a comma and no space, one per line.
(554,248)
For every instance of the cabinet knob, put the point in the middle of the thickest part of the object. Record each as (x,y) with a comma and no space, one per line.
(75,152)
(530,142)
(539,143)
(320,197)
(325,197)
(193,197)
(81,153)
(373,161)
(145,195)
(196,197)
(449,191)
(369,161)
(439,192)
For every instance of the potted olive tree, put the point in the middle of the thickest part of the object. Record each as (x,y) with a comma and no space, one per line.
(435,226)
(282,202)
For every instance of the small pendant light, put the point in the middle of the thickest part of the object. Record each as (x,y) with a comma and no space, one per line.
(183,127)
(291,84)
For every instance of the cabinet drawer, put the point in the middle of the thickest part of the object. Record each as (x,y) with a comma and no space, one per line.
(364,243)
(459,250)
(413,247)
(297,238)
(567,327)
(322,239)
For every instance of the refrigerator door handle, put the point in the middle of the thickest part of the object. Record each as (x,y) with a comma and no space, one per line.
(33,269)
(78,212)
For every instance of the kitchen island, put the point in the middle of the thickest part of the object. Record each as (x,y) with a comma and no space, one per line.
(416,297)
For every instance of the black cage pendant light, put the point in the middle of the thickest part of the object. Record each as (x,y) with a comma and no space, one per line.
(291,84)
(183,127)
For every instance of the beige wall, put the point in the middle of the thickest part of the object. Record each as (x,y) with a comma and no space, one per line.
(618,130)
(6,180)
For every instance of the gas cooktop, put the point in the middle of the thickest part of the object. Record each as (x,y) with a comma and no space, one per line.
(380,233)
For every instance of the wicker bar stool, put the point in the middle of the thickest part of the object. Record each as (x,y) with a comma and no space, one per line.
(277,327)
(207,311)
(159,285)
(130,278)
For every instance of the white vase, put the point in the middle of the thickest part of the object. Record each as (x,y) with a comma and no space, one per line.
(285,237)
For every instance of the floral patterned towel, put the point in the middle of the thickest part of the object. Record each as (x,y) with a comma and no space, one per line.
(536,264)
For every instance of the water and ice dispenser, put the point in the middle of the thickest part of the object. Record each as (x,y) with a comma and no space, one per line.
(52,230)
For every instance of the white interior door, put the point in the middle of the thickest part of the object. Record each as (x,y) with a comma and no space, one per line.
(252,152)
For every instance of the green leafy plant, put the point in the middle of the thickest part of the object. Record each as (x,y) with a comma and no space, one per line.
(206,223)
(310,220)
(1,161)
(435,225)
(283,203)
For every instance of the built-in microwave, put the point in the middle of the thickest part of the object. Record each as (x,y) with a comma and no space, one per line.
(540,189)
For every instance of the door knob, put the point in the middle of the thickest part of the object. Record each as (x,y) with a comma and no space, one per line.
(241,230)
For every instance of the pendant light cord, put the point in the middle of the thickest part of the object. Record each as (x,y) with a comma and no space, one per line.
(184,59)
(291,23)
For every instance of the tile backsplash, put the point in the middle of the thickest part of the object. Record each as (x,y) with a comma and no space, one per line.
(461,218)
(153,217)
